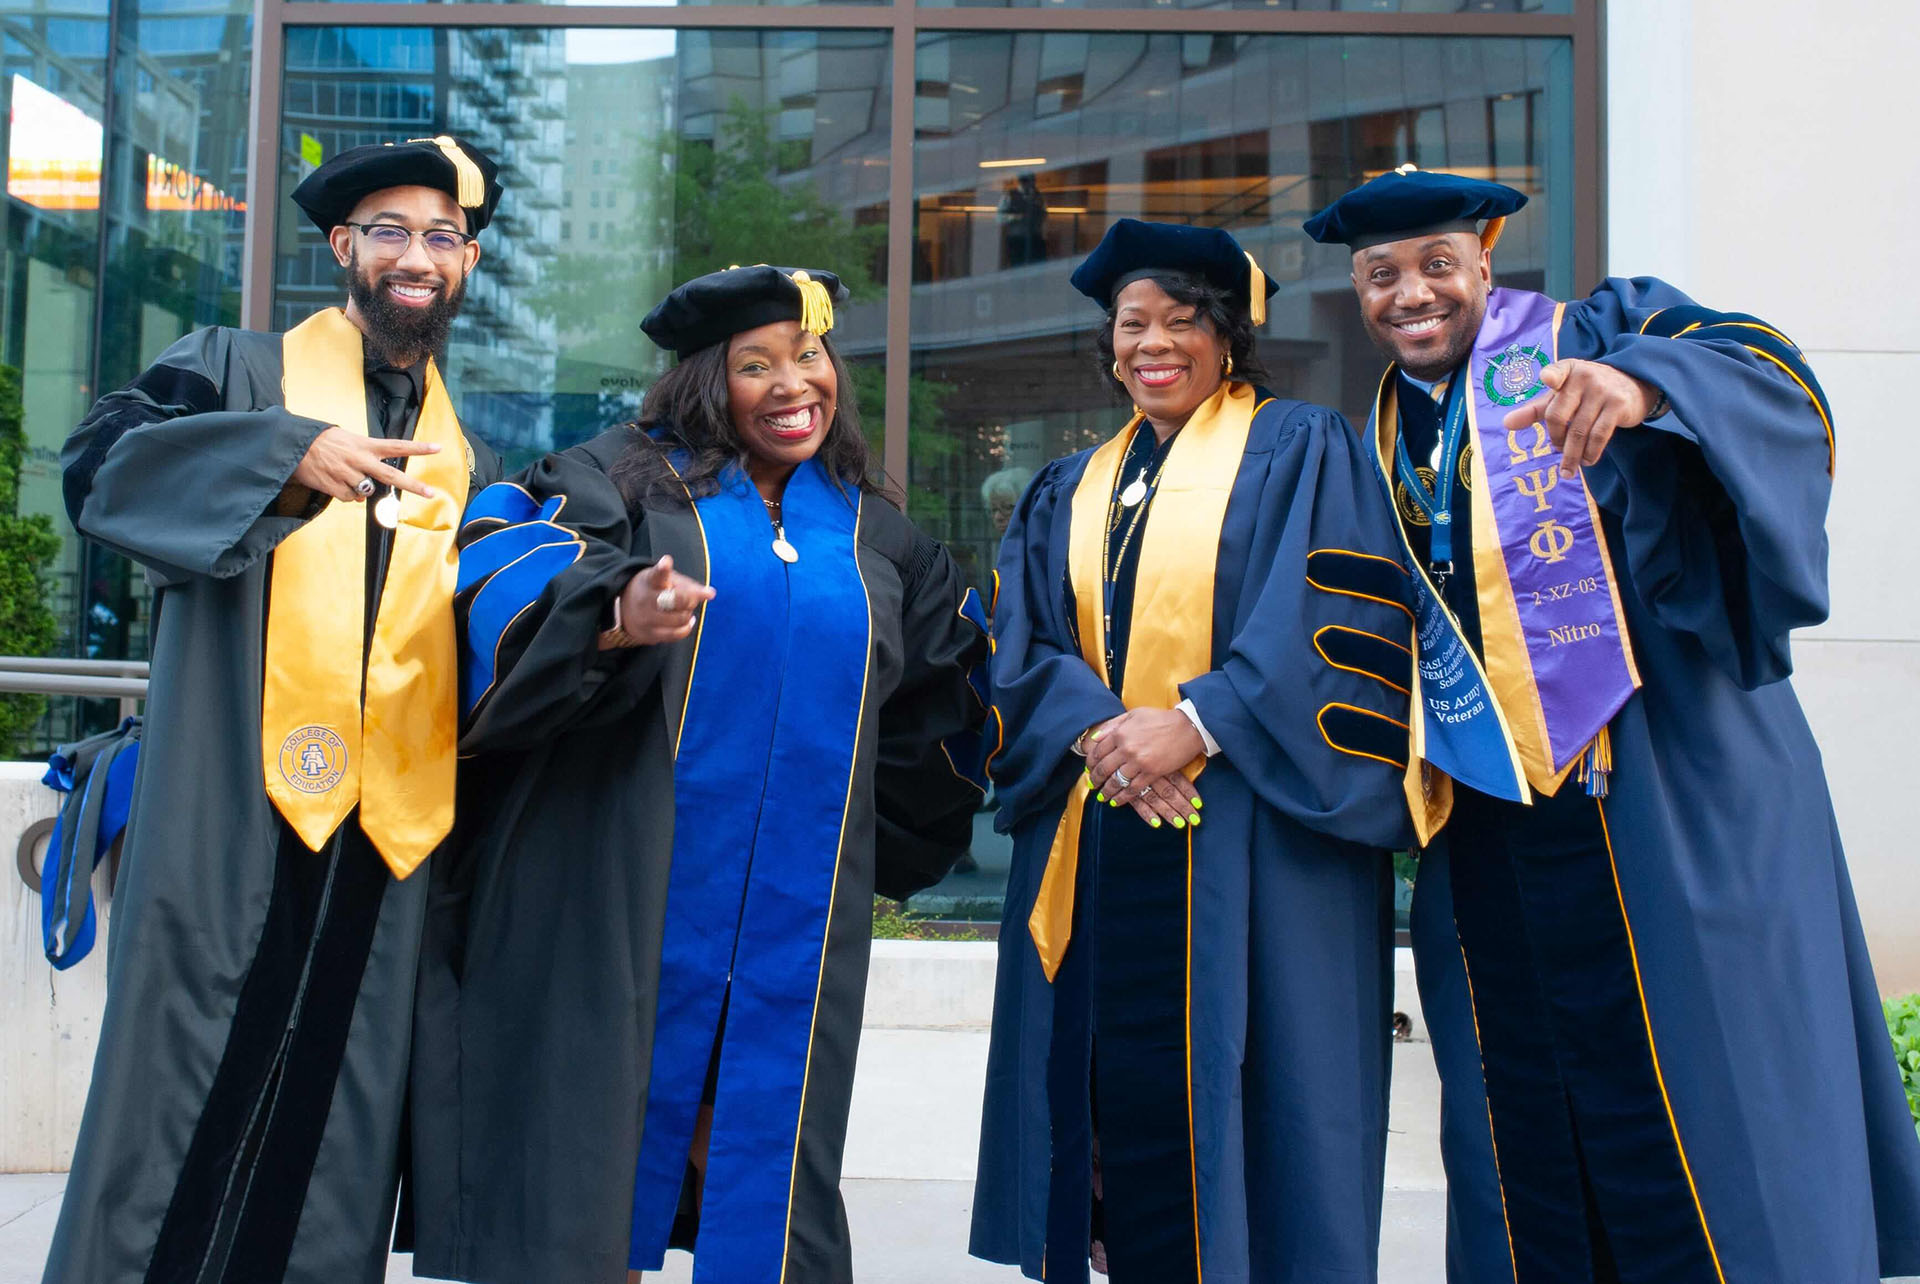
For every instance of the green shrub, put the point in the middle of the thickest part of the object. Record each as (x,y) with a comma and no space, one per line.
(1903,1023)
(28,547)
(891,922)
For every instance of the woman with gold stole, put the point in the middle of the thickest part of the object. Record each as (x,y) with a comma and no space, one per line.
(1201,659)
(712,680)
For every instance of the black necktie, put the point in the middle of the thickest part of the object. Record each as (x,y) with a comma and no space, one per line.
(397,393)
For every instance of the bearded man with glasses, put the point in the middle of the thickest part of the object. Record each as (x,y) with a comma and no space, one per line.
(244,1118)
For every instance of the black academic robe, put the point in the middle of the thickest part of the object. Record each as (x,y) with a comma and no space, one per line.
(244,1117)
(1223,1009)
(575,962)
(1656,1008)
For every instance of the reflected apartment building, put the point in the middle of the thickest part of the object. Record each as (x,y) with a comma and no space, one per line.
(505,91)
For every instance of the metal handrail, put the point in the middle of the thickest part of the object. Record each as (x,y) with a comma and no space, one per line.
(122,680)
(76,668)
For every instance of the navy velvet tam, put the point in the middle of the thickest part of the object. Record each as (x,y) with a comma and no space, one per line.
(1132,249)
(719,305)
(459,169)
(1409,202)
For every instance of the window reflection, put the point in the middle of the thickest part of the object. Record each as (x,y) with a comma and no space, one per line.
(637,158)
(1029,145)
(1284,6)
(632,160)
(123,233)
(53,85)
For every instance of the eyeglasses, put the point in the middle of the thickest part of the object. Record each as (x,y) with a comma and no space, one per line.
(390,240)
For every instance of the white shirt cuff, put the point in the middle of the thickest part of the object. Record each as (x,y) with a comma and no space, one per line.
(1193,716)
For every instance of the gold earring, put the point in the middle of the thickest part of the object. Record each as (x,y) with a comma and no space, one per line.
(1228,368)
(1116,369)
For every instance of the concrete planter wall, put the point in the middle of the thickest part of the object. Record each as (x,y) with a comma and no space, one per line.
(49,1021)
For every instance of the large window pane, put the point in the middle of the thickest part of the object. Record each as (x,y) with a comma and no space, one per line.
(1028,145)
(53,83)
(1299,6)
(124,220)
(632,160)
(175,207)
(595,4)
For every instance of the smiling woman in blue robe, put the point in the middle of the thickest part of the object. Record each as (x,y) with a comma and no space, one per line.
(712,677)
(1189,1064)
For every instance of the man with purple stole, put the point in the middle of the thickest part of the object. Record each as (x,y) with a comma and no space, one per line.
(1659,1039)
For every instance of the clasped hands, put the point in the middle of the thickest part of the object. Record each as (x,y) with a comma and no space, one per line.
(1584,403)
(1135,760)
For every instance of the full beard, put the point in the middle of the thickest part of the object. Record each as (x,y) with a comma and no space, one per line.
(398,334)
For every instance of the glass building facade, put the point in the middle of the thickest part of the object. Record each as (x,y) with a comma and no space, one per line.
(951,159)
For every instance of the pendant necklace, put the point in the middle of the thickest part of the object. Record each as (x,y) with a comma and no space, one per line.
(387,510)
(781,548)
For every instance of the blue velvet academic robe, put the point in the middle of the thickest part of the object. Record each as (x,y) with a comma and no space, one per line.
(1287,1032)
(666,867)
(1752,1063)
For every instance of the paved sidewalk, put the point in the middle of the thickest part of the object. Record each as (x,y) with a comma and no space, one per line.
(909,1172)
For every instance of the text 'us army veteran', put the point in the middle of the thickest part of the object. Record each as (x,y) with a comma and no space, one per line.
(1657,1030)
(298,760)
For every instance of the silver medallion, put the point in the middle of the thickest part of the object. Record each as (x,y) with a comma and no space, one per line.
(1134,491)
(386,510)
(785,551)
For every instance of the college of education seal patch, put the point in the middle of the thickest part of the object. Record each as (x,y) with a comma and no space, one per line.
(313,759)
(1513,376)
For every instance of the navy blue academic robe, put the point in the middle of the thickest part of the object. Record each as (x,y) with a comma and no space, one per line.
(1279,1157)
(1777,1143)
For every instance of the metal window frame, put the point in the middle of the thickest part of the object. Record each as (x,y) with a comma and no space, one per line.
(906,20)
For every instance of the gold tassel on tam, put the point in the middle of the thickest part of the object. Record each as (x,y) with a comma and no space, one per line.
(816,305)
(1256,292)
(472,184)
(1490,234)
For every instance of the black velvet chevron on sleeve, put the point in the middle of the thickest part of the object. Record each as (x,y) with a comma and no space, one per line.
(159,392)
(1365,647)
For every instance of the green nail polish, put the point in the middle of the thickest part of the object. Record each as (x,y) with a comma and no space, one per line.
(1196,804)
(1195,819)
(1113,802)
(1101,797)
(1155,822)
(1179,823)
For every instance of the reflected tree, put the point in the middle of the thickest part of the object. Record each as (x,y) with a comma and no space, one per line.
(28,547)
(703,205)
